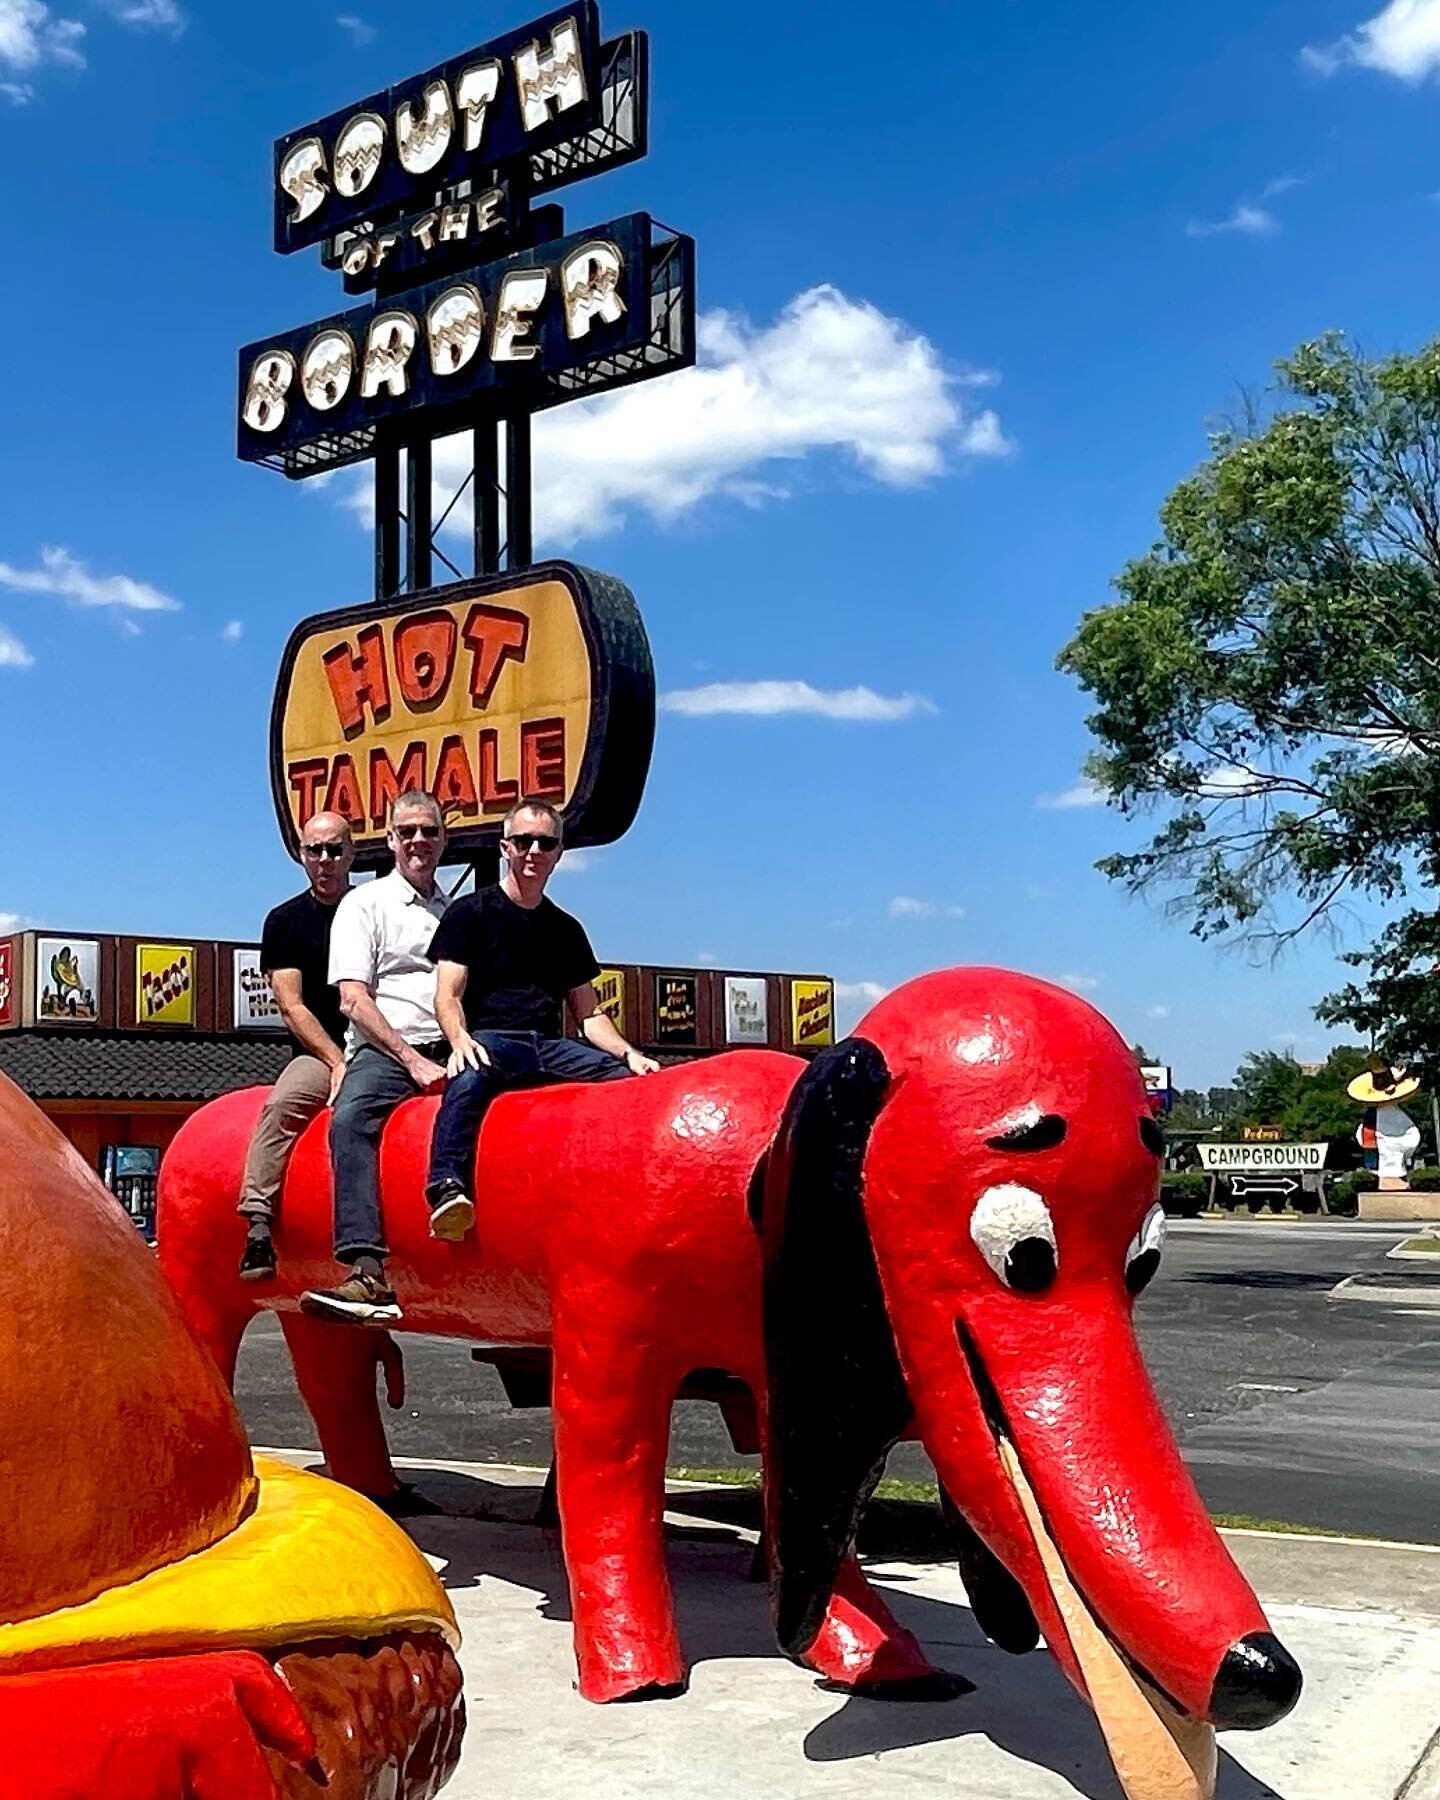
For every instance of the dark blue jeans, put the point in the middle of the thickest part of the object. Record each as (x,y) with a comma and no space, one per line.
(517,1059)
(373,1087)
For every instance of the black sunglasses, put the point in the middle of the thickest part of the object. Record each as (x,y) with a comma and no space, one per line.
(333,851)
(410,831)
(533,840)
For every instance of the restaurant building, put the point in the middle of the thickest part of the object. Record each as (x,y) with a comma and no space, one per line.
(119,1039)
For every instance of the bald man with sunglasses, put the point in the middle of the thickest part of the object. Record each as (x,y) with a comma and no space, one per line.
(507,960)
(295,954)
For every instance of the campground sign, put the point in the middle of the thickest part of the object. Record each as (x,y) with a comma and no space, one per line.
(1262,1159)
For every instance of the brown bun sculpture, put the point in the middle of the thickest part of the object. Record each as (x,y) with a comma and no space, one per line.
(177,1618)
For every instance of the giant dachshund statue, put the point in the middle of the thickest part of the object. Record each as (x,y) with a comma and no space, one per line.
(938,1228)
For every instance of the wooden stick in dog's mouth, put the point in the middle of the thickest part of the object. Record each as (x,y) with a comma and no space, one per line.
(1159,1753)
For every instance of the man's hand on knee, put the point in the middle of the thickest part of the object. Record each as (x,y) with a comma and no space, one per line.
(466,1054)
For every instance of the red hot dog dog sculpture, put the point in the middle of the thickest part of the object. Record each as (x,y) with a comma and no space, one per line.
(956,1208)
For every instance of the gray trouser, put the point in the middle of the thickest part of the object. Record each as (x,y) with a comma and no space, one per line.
(300,1093)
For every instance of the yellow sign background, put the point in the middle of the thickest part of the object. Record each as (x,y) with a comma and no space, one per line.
(165,984)
(548,680)
(812,1014)
(610,992)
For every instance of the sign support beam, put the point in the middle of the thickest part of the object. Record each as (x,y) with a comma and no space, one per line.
(419,560)
(387,520)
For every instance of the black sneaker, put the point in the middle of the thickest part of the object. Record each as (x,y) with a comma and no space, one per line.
(258,1261)
(360,1298)
(452,1211)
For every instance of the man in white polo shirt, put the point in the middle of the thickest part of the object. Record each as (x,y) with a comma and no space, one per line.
(394,1046)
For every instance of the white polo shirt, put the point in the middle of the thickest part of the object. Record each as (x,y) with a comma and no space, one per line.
(381,935)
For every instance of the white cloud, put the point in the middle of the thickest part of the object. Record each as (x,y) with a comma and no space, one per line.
(18,93)
(61,573)
(232,631)
(770,699)
(1080,984)
(706,958)
(1157,1012)
(1288,1039)
(1403,40)
(31,35)
(13,654)
(1084,793)
(12,921)
(830,376)
(149,15)
(1234,781)
(853,999)
(361,31)
(1248,220)
(904,907)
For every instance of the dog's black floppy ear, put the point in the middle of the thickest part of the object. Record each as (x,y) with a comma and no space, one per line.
(836,1399)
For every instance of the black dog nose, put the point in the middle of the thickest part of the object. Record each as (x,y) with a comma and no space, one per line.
(1259,1681)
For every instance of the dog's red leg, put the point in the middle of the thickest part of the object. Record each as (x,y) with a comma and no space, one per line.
(612,1403)
(335,1368)
(862,1644)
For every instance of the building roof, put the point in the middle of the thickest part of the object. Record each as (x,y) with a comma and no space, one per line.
(95,1065)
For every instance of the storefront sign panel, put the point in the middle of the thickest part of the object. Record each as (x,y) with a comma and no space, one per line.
(254,1006)
(165,984)
(610,992)
(812,1014)
(9,983)
(67,980)
(747,1010)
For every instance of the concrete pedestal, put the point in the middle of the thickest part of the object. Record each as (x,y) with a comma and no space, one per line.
(1403,1205)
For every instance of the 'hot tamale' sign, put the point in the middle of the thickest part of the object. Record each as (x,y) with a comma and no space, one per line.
(482,693)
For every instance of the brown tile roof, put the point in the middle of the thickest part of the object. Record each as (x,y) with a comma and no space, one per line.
(95,1065)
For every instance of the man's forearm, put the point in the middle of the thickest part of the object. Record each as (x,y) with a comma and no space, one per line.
(311,1035)
(376,1028)
(451,1015)
(599,1030)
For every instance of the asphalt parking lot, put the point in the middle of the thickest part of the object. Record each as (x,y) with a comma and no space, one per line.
(1289,1406)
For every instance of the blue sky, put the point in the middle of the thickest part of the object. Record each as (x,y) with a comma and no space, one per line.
(973,284)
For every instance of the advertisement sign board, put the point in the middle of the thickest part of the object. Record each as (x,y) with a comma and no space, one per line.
(747,1010)
(510,330)
(165,984)
(610,992)
(812,1014)
(9,983)
(67,980)
(677,1010)
(253,1003)
(1250,1159)
(506,100)
(479,692)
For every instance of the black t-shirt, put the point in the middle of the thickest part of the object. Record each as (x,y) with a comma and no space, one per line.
(297,936)
(520,961)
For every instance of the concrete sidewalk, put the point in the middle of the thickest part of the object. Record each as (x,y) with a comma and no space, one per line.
(1363,1620)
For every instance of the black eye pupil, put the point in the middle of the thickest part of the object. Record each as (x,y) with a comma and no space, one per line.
(1152,1137)
(1044,1134)
(1142,1269)
(1030,1266)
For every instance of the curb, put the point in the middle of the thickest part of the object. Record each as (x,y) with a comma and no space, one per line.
(1349,1289)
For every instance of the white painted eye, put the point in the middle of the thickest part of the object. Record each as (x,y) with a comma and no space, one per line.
(1014,1232)
(1142,1259)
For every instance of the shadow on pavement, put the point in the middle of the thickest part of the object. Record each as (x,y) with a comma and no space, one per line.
(1023,1705)
(1264,1278)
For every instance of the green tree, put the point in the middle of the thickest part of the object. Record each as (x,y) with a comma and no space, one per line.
(1269,682)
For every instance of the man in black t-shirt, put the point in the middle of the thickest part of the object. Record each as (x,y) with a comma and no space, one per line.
(507,959)
(295,954)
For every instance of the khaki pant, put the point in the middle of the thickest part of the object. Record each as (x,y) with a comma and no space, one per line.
(300,1093)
